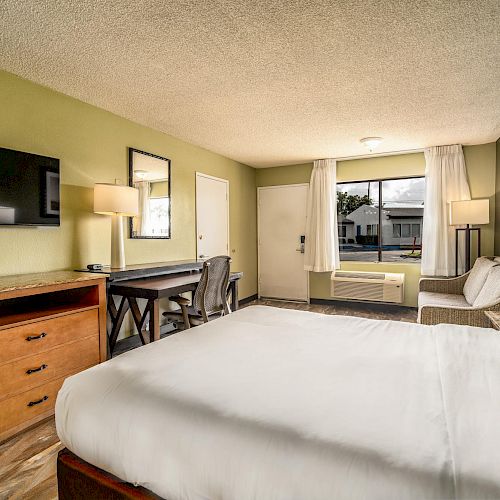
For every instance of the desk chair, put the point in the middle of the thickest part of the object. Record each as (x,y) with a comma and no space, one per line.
(210,296)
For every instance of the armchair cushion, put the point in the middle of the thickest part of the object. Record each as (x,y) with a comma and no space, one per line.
(477,278)
(441,300)
(490,293)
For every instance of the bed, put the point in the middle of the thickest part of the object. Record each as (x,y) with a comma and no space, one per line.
(276,404)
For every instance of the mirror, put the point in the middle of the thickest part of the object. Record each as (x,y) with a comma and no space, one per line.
(150,174)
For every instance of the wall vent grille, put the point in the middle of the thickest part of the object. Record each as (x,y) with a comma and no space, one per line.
(377,287)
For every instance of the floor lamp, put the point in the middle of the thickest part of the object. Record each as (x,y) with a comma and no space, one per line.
(467,213)
(117,201)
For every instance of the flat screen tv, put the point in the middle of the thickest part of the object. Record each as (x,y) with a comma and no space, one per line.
(29,189)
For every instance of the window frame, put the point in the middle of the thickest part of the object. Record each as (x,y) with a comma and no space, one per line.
(380,182)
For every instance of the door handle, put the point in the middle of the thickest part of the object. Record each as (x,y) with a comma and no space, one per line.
(201,256)
(302,244)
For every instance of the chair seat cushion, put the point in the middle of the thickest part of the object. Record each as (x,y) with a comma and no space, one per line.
(441,299)
(477,278)
(490,293)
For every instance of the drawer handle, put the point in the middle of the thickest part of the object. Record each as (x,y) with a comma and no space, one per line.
(34,370)
(33,403)
(36,337)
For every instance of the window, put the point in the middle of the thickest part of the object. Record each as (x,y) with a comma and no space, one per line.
(159,221)
(382,219)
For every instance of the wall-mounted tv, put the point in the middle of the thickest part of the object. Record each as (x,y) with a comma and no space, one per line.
(29,189)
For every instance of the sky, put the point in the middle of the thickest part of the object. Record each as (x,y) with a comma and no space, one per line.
(402,190)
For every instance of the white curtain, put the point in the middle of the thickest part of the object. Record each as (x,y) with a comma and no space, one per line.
(445,181)
(143,221)
(322,240)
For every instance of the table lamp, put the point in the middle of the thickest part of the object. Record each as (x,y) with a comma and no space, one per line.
(467,213)
(117,201)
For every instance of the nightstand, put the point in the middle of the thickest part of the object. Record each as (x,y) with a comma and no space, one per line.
(494,318)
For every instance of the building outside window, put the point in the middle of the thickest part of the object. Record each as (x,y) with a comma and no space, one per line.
(390,234)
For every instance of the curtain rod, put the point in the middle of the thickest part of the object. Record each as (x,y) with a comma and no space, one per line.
(375,155)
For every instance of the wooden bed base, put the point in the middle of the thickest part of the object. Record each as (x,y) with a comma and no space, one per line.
(78,480)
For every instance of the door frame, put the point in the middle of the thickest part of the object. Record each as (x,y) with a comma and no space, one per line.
(213,178)
(259,189)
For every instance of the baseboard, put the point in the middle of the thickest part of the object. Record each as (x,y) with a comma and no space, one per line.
(246,300)
(355,304)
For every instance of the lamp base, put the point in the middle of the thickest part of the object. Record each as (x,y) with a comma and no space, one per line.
(117,245)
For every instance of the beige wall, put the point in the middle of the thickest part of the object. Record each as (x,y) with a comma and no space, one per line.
(481,168)
(92,146)
(497,212)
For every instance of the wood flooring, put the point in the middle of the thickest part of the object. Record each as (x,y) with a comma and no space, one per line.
(28,464)
(28,461)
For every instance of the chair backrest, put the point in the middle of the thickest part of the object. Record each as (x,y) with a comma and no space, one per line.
(211,293)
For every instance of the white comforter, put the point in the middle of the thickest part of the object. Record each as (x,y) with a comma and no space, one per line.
(276,404)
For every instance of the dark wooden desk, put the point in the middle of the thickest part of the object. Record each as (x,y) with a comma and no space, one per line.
(134,271)
(153,289)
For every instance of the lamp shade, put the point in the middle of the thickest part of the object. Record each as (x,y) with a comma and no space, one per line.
(469,212)
(112,199)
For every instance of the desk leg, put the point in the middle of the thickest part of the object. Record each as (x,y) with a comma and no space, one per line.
(154,320)
(139,318)
(234,295)
(117,323)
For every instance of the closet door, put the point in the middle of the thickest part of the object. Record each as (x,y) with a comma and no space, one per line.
(212,216)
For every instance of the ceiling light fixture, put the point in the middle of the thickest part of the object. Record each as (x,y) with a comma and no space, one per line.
(371,142)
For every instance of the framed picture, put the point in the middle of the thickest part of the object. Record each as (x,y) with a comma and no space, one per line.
(51,205)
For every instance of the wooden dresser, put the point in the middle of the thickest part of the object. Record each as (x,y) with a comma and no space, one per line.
(52,325)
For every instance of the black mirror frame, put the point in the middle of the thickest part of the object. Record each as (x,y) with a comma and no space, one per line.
(131,152)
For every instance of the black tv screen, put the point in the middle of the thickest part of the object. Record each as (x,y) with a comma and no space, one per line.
(29,189)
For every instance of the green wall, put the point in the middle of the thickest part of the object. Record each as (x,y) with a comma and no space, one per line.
(92,146)
(481,168)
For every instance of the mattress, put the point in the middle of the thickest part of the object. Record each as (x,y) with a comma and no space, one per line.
(277,404)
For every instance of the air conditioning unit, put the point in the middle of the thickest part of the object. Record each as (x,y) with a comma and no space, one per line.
(378,287)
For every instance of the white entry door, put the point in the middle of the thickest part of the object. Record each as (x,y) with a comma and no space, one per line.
(281,224)
(212,216)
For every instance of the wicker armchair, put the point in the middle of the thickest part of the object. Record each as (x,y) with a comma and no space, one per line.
(210,296)
(441,300)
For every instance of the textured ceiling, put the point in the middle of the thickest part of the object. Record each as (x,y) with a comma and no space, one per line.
(271,82)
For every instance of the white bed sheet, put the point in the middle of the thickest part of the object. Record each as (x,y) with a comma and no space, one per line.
(276,404)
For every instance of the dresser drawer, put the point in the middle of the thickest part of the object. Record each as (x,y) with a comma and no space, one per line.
(40,336)
(32,371)
(27,408)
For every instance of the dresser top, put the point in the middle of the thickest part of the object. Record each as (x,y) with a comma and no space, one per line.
(37,280)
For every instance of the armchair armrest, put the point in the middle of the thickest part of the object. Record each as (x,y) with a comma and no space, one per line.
(471,316)
(443,285)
